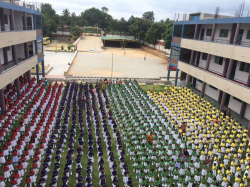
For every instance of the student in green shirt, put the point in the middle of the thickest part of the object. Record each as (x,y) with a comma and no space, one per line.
(143,182)
(181,181)
(151,176)
(141,176)
(176,174)
(157,182)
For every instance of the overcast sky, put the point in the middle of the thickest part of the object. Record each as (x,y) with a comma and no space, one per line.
(162,8)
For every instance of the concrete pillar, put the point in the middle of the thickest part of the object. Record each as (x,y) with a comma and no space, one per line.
(220,96)
(225,67)
(176,77)
(14,52)
(37,73)
(189,77)
(12,20)
(213,32)
(243,109)
(169,67)
(230,67)
(18,87)
(43,69)
(223,100)
(3,108)
(195,31)
(236,33)
(26,45)
(248,80)
(25,21)
(208,62)
(203,89)
(2,19)
(5,55)
(28,75)
(192,57)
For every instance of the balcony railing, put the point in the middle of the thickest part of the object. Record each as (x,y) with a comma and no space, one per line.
(10,65)
(222,41)
(32,5)
(219,74)
(10,28)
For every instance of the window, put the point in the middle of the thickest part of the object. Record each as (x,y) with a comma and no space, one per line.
(204,56)
(248,34)
(29,23)
(213,87)
(175,52)
(209,32)
(224,33)
(6,19)
(218,60)
(177,30)
(237,99)
(244,67)
(8,48)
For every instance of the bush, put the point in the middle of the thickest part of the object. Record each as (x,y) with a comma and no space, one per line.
(62,47)
(69,47)
(69,39)
(65,49)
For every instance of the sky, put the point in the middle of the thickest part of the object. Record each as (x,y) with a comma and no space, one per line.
(162,8)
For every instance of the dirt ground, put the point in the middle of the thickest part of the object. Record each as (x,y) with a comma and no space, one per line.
(126,63)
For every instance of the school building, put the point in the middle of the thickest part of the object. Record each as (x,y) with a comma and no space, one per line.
(21,45)
(213,55)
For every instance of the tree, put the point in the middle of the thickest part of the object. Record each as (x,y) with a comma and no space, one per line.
(167,35)
(149,16)
(49,19)
(73,19)
(105,9)
(94,17)
(139,28)
(154,33)
(66,19)
(76,31)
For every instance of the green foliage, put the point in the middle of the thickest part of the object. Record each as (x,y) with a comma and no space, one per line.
(49,18)
(76,31)
(154,32)
(69,47)
(149,16)
(62,47)
(167,35)
(139,28)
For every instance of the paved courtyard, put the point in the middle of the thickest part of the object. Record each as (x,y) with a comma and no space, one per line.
(59,61)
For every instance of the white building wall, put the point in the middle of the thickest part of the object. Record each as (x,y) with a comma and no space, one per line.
(212,92)
(222,26)
(20,51)
(234,104)
(7,12)
(9,54)
(18,20)
(216,67)
(246,27)
(247,112)
(198,85)
(208,26)
(202,63)
(240,75)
